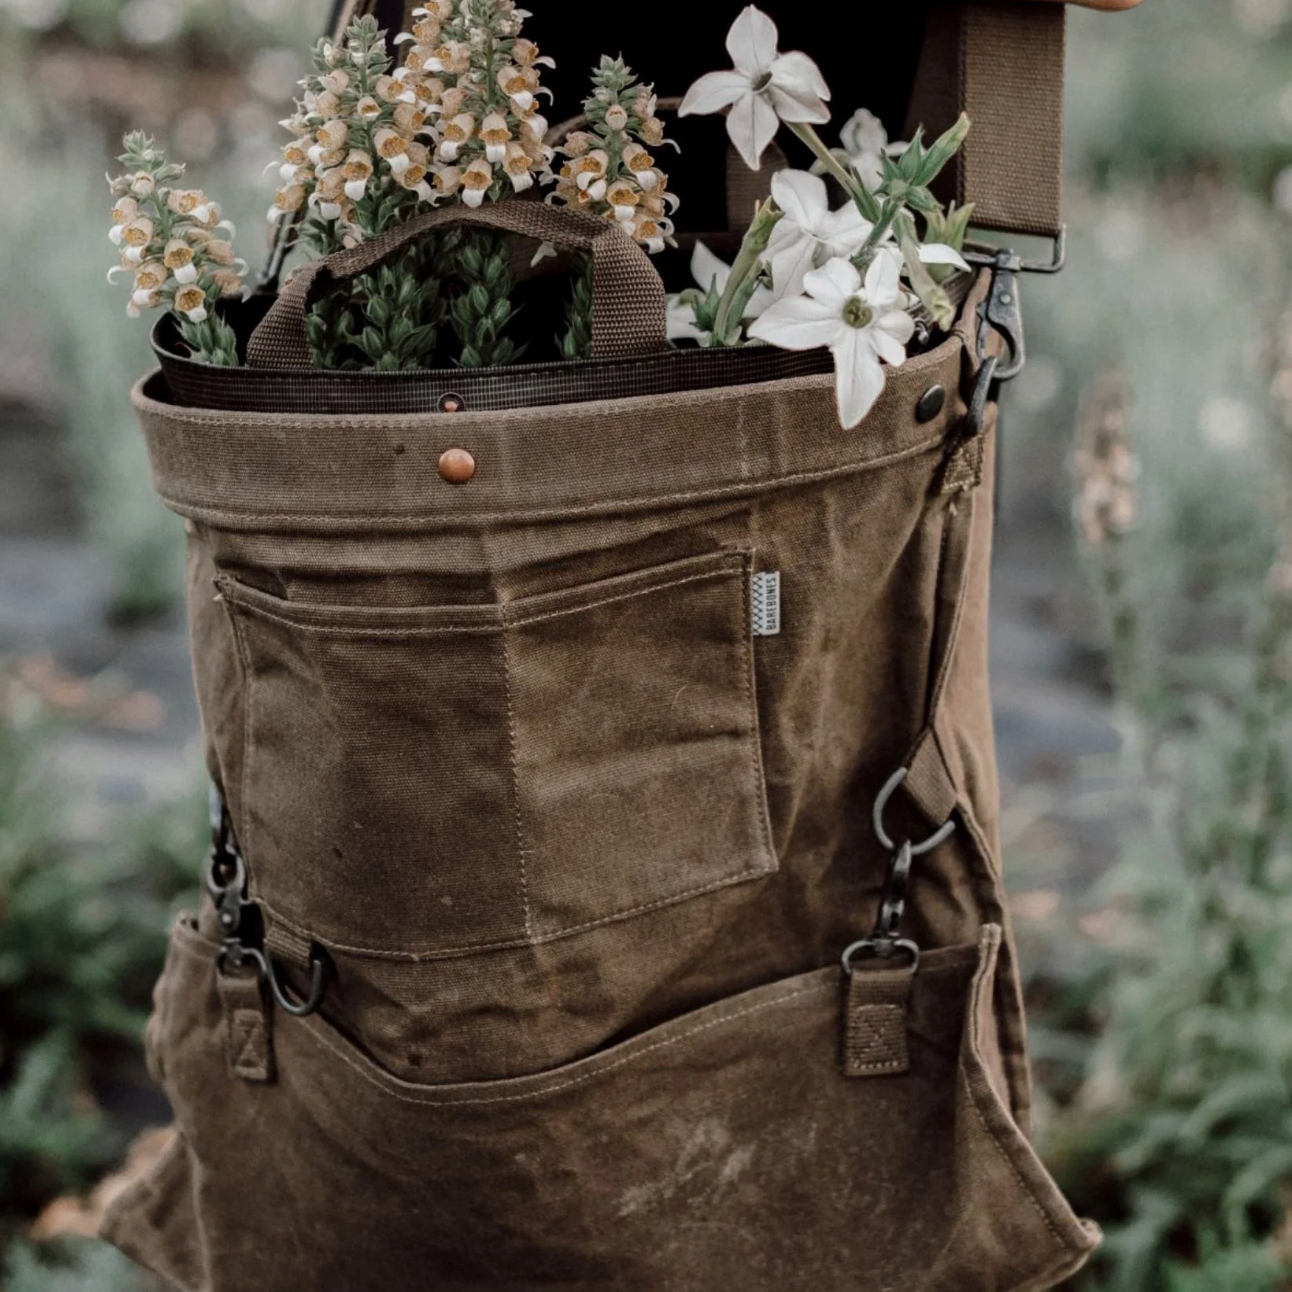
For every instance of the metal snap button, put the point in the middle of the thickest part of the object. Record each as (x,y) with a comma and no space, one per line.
(457,466)
(930,404)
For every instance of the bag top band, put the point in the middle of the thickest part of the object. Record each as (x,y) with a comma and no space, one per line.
(274,472)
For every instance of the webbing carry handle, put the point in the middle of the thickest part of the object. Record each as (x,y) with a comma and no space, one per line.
(627,294)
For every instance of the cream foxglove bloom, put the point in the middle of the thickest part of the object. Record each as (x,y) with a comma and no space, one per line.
(865,325)
(178,258)
(516,162)
(475,182)
(495,135)
(191,302)
(809,233)
(765,87)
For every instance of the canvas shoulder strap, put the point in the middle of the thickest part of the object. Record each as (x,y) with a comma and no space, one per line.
(1002,63)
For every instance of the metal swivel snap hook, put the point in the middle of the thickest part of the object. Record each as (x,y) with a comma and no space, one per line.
(226,881)
(238,955)
(885,940)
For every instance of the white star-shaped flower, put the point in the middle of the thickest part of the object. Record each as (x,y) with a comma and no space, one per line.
(765,87)
(809,233)
(865,141)
(711,273)
(864,324)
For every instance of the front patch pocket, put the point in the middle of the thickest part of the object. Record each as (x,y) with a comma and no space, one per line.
(441,779)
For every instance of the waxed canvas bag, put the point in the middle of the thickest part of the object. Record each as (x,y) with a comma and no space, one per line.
(606,890)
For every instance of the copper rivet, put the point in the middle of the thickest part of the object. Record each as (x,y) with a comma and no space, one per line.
(931,404)
(457,466)
(451,403)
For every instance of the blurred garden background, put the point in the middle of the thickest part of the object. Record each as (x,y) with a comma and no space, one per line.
(1142,643)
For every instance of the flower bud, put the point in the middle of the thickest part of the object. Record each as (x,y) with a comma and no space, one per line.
(578,142)
(125,210)
(151,276)
(332,134)
(137,232)
(448,179)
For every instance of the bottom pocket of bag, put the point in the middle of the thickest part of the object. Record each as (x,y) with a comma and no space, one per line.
(723,1145)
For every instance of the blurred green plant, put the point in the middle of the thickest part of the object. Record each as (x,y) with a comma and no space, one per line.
(214,30)
(1179,1138)
(73,1266)
(82,937)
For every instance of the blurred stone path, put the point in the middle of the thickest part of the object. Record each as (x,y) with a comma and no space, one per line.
(137,747)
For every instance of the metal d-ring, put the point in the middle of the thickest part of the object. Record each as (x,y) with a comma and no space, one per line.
(877,819)
(881,949)
(265,965)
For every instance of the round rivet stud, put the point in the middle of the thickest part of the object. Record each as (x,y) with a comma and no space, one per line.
(931,404)
(457,466)
(451,402)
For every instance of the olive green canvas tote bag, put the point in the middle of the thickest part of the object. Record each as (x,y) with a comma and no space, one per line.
(606,892)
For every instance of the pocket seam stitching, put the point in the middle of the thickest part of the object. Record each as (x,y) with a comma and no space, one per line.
(538,939)
(318,1036)
(727,564)
(506,618)
(994,1139)
(244,659)
(762,809)
(515,790)
(983,983)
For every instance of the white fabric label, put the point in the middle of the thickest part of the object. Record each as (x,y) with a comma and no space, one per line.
(766,602)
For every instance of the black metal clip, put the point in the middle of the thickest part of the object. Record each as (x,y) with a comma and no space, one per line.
(226,881)
(885,940)
(1002,311)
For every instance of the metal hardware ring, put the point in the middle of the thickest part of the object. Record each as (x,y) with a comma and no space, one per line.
(877,819)
(880,949)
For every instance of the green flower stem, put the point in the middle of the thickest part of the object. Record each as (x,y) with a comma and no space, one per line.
(577,341)
(933,297)
(212,340)
(482,311)
(855,189)
(744,275)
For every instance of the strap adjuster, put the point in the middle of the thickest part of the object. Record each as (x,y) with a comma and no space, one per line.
(1002,311)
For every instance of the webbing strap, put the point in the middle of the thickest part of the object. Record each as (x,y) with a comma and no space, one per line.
(1002,63)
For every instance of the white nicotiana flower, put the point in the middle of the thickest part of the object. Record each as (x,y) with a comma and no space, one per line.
(939,253)
(862,324)
(765,87)
(710,273)
(865,141)
(809,233)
